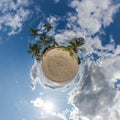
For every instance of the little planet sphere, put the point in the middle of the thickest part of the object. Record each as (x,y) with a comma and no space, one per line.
(59,66)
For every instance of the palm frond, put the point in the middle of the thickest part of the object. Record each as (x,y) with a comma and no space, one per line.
(80,41)
(79,60)
(48,26)
(53,42)
(42,36)
(34,32)
(76,43)
(73,42)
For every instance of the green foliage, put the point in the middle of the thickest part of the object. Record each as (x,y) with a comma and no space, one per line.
(79,60)
(35,51)
(71,52)
(42,36)
(76,43)
(34,32)
(48,26)
(68,49)
(45,41)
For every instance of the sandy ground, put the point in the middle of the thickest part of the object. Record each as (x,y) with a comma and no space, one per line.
(58,66)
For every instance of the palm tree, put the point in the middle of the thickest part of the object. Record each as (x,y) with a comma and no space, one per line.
(79,60)
(75,43)
(42,36)
(34,32)
(48,26)
(44,41)
(53,42)
(34,49)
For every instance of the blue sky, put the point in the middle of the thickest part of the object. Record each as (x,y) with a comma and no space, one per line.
(97,89)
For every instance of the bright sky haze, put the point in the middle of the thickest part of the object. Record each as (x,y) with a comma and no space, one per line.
(95,94)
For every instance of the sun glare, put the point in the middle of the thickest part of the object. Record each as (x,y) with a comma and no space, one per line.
(48,107)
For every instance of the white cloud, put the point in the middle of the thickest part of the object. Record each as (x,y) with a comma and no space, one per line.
(38,102)
(117,50)
(95,98)
(13,15)
(23,3)
(92,15)
(46,106)
(95,94)
(60,116)
(56,1)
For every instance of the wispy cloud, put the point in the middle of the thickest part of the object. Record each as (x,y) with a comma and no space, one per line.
(13,15)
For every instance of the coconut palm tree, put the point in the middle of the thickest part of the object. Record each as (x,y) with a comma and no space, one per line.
(43,43)
(42,36)
(34,49)
(34,32)
(49,43)
(48,26)
(53,42)
(75,43)
(79,60)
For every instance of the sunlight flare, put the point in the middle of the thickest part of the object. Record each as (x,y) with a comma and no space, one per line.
(48,107)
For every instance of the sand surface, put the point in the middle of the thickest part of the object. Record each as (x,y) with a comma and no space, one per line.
(58,66)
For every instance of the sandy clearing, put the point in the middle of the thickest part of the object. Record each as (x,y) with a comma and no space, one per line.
(58,66)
